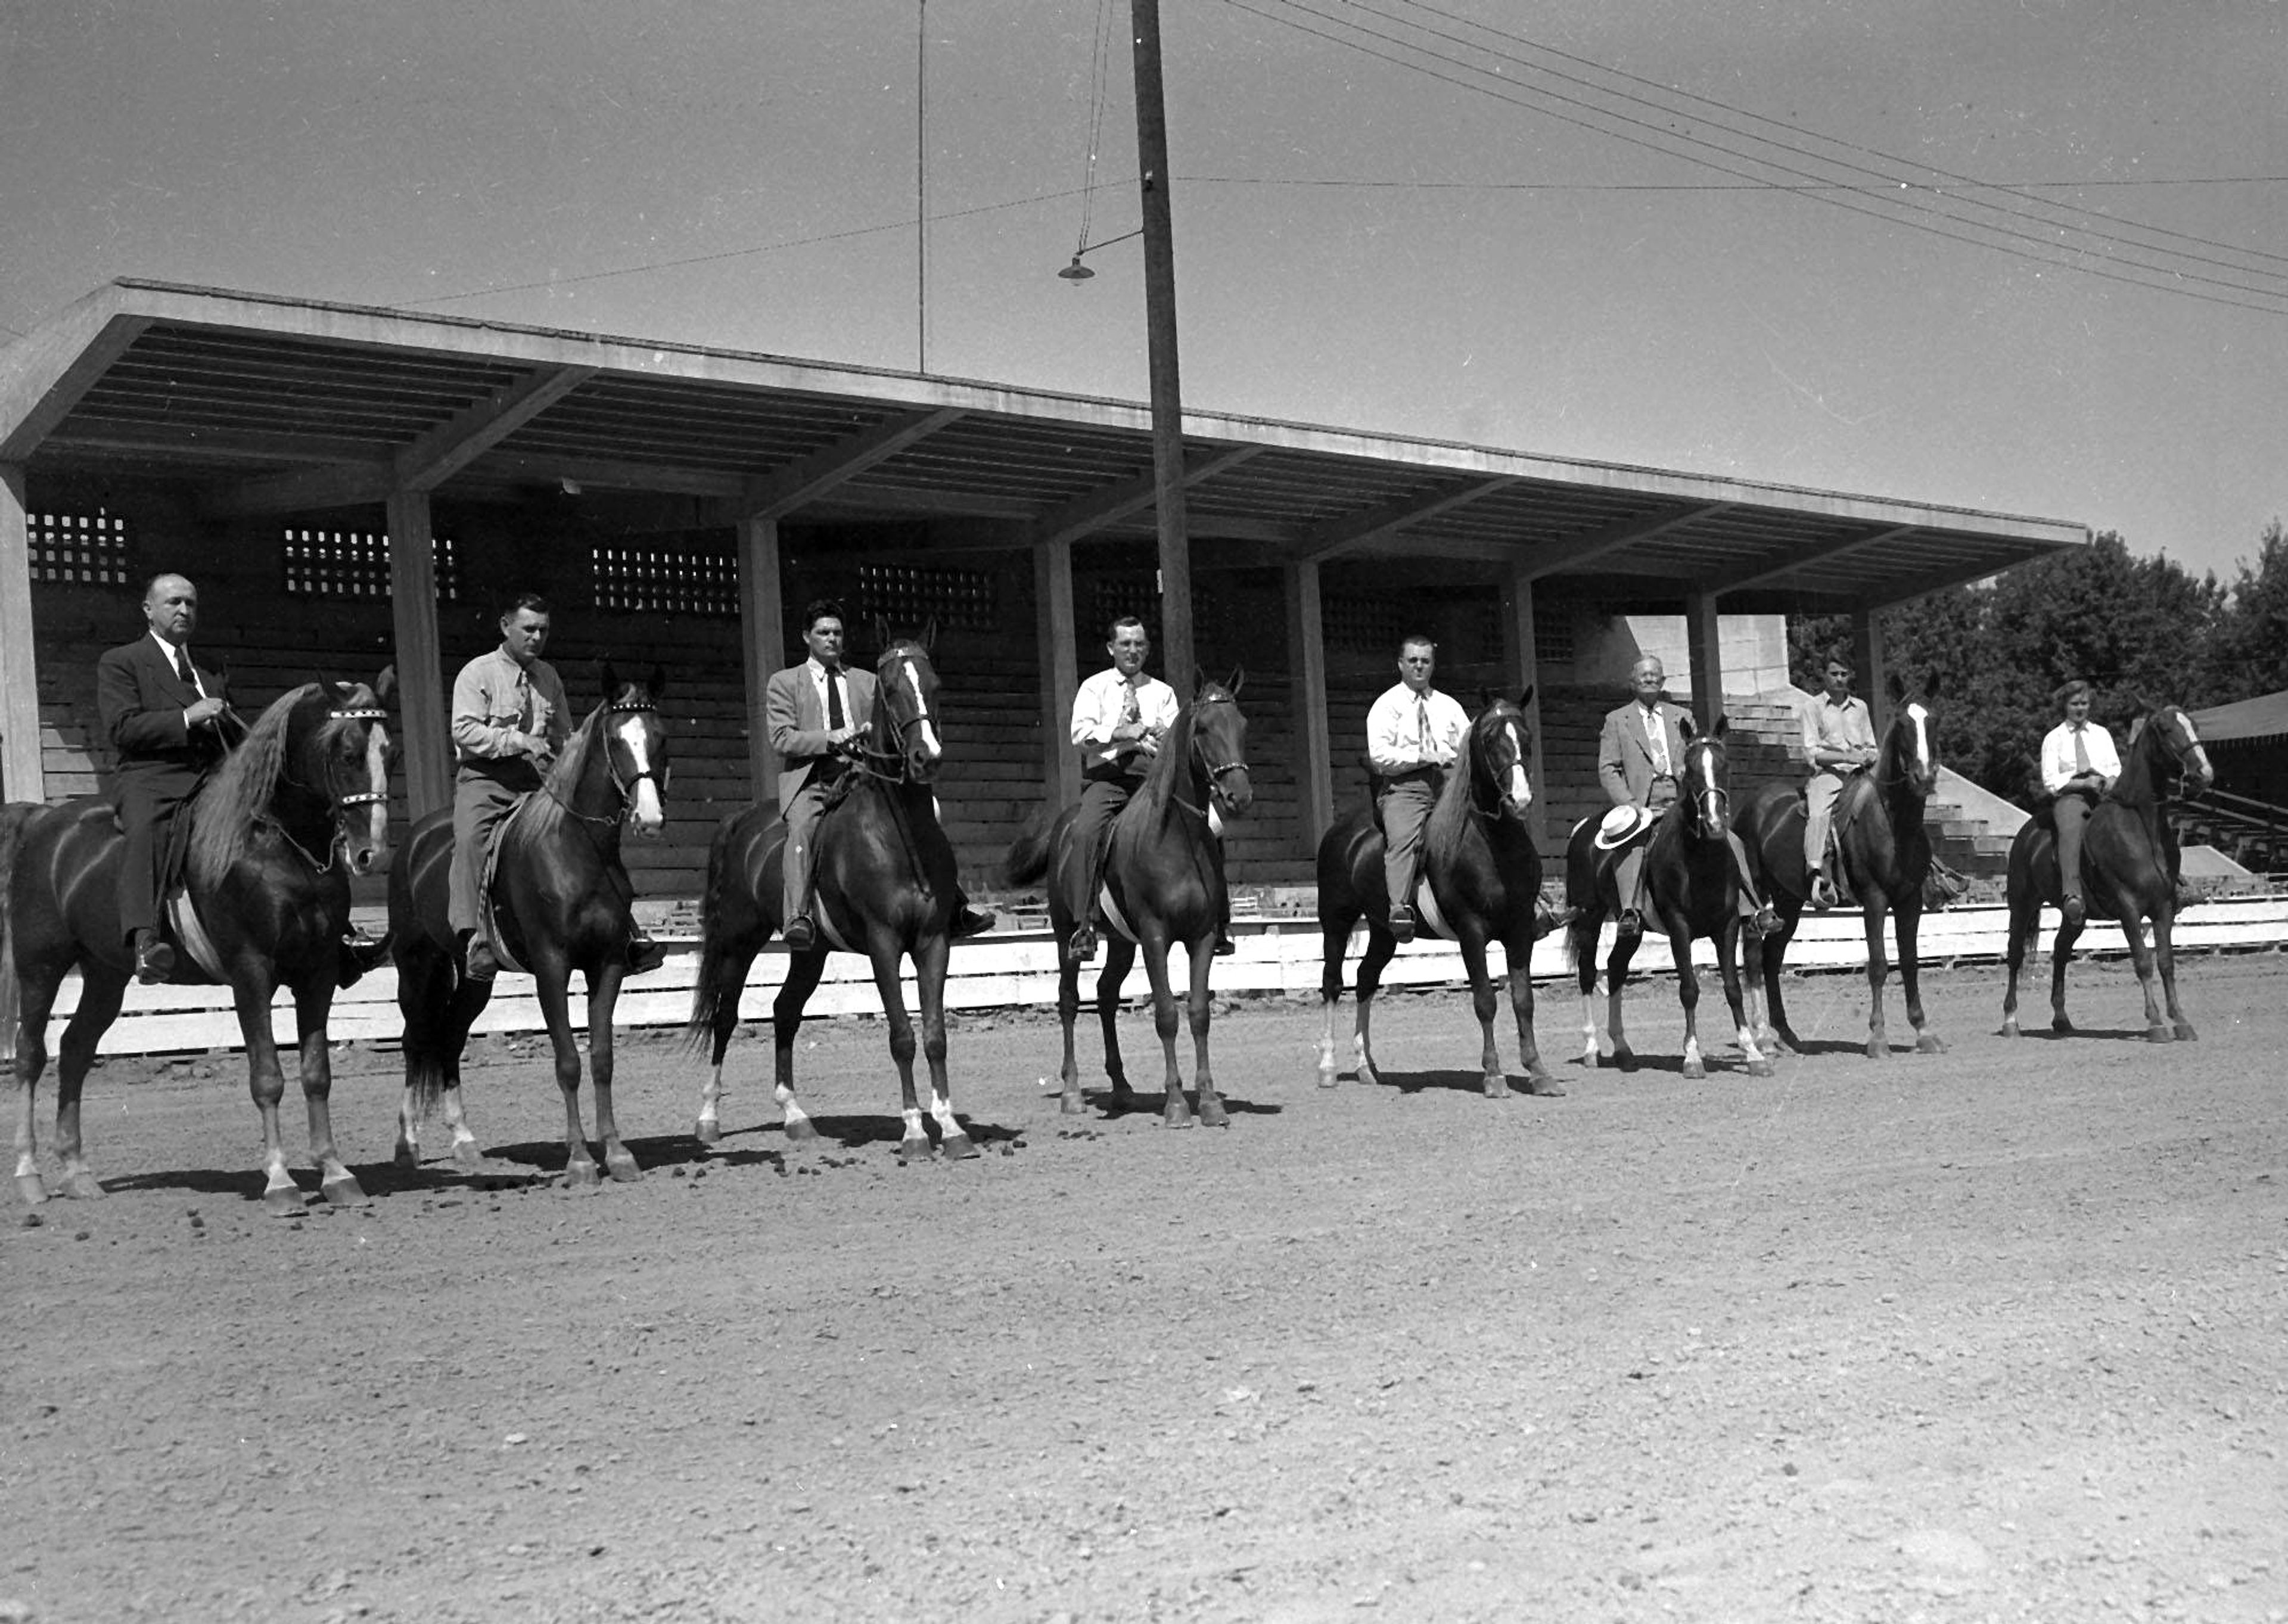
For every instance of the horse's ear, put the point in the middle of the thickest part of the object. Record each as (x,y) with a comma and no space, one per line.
(1685,727)
(881,632)
(1485,697)
(385,685)
(1723,725)
(1934,684)
(611,681)
(1239,676)
(658,680)
(1895,683)
(1525,700)
(929,635)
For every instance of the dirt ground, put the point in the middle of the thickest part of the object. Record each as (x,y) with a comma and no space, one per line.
(1997,1333)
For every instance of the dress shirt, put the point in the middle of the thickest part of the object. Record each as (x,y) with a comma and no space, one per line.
(177,659)
(1098,706)
(1405,731)
(1830,726)
(1656,732)
(2058,766)
(495,699)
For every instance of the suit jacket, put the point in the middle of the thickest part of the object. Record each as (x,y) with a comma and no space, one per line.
(140,701)
(797,721)
(1624,763)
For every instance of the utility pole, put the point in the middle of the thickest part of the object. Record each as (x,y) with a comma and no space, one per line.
(1160,344)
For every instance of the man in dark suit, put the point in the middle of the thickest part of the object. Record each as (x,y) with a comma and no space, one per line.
(1640,762)
(818,714)
(165,717)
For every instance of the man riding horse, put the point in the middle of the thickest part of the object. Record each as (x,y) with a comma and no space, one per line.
(1838,741)
(1413,733)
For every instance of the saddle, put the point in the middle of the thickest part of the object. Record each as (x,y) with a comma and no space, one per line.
(491,932)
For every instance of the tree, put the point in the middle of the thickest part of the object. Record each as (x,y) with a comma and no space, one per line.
(2249,653)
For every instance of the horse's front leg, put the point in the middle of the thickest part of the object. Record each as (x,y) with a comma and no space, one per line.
(803,973)
(1582,944)
(1728,965)
(312,1004)
(2165,927)
(1878,970)
(931,955)
(1381,947)
(1335,939)
(553,988)
(1538,1080)
(1910,981)
(2142,955)
(2061,955)
(1485,1004)
(1073,1102)
(2025,924)
(1119,959)
(727,967)
(1776,1033)
(1175,1111)
(1201,954)
(603,998)
(1617,976)
(267,1083)
(1688,994)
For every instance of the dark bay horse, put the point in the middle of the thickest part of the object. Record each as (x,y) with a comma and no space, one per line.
(1482,880)
(1691,889)
(2127,869)
(887,886)
(562,900)
(1162,886)
(1887,861)
(299,804)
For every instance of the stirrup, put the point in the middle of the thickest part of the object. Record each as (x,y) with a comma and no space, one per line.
(1081,946)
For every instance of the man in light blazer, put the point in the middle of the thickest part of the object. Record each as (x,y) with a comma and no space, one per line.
(818,713)
(1640,762)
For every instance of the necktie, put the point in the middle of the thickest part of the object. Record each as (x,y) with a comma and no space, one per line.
(1656,736)
(2081,749)
(833,700)
(183,670)
(1130,710)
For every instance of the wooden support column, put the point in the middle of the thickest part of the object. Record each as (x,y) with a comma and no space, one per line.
(1524,662)
(1870,656)
(427,740)
(1058,644)
(762,617)
(1306,669)
(23,776)
(1704,643)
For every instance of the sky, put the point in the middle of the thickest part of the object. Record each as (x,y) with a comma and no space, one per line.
(2030,258)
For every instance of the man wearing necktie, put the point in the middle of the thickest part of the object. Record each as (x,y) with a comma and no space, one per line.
(1413,734)
(167,720)
(1639,763)
(1119,716)
(818,713)
(2078,766)
(1838,740)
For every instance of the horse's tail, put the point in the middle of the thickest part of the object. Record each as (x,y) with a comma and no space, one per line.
(706,992)
(1027,861)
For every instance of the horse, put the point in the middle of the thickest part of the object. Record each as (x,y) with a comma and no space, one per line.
(2126,866)
(562,898)
(1162,885)
(1480,882)
(1691,889)
(887,886)
(296,807)
(1887,861)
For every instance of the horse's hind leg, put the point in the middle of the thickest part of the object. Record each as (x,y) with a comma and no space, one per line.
(1335,937)
(2061,956)
(1381,947)
(1072,1102)
(1617,978)
(29,1048)
(1119,959)
(339,1184)
(803,971)
(2023,923)
(1777,1031)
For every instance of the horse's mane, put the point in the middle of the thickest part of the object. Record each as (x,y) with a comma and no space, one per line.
(1175,758)
(547,812)
(241,789)
(1459,786)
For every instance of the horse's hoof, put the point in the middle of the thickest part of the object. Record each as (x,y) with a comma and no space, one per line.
(80,1186)
(2159,1035)
(913,1152)
(345,1190)
(801,1129)
(1930,1043)
(1367,1075)
(284,1201)
(959,1147)
(2059,1023)
(1329,1077)
(2010,1029)
(2185,1032)
(708,1131)
(1877,1050)
(1212,1113)
(1542,1086)
(1760,1068)
(581,1176)
(1497,1088)
(1074,1104)
(467,1157)
(622,1168)
(32,1188)
(1176,1113)
(1692,1068)
(405,1159)
(1623,1060)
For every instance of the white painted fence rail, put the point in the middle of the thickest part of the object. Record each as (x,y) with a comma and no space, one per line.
(1006,970)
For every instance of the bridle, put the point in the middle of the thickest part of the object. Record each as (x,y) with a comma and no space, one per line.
(1712,807)
(623,790)
(2183,752)
(896,755)
(1499,809)
(1215,774)
(337,806)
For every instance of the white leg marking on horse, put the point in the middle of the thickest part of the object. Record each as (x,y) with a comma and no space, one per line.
(1692,1051)
(1588,1026)
(1748,1050)
(913,1121)
(790,1109)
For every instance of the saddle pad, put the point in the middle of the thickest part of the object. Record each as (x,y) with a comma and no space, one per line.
(1622,825)
(191,935)
(1427,920)
(1114,918)
(492,930)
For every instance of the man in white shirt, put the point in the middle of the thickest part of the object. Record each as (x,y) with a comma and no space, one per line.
(1413,734)
(1119,716)
(1838,740)
(2078,766)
